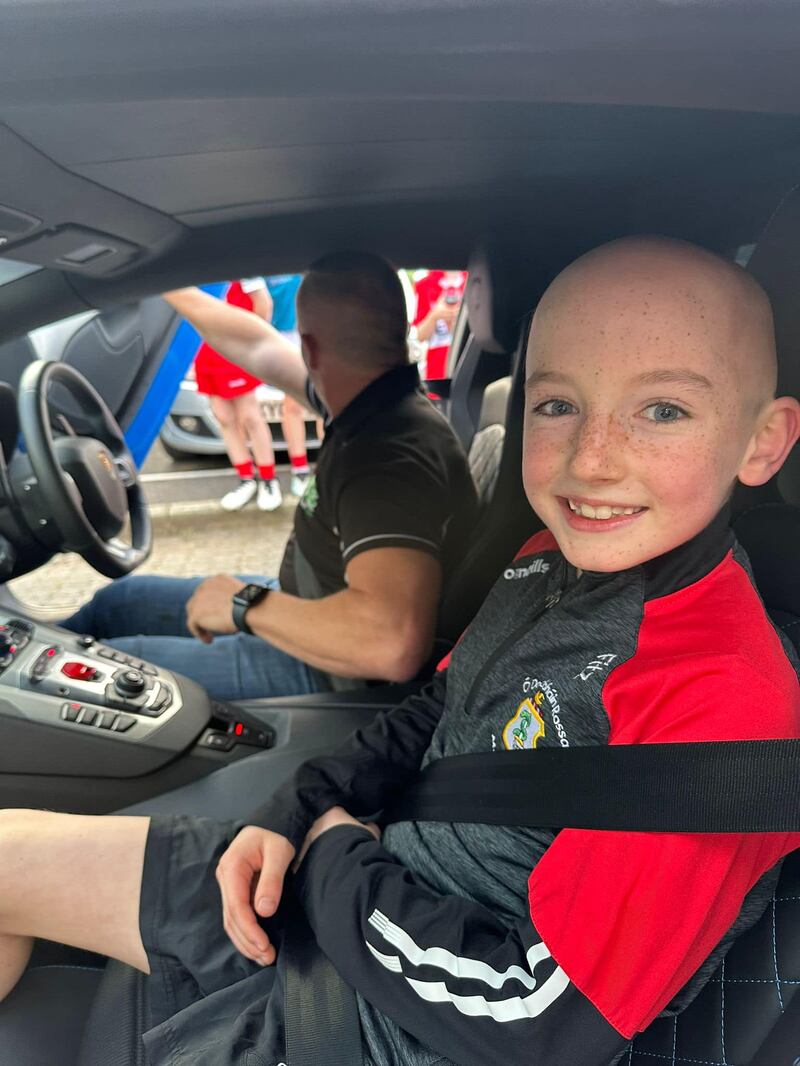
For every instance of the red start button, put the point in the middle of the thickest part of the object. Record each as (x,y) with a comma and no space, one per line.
(79,671)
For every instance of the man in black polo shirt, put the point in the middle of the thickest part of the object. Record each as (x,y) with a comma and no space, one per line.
(374,532)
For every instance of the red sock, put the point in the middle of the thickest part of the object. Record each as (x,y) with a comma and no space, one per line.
(300,462)
(267,473)
(245,470)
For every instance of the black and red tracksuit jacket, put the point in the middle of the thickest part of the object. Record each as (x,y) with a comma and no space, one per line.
(476,944)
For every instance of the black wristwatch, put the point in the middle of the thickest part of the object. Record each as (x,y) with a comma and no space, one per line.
(243,600)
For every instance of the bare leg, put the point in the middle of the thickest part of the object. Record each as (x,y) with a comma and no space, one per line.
(254,429)
(294,427)
(14,954)
(235,442)
(74,879)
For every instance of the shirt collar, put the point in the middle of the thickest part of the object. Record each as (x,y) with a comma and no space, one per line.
(380,394)
(682,566)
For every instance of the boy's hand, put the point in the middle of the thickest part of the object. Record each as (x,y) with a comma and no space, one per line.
(255,857)
(335,816)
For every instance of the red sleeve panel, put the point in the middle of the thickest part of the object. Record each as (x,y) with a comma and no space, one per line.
(543,541)
(631,916)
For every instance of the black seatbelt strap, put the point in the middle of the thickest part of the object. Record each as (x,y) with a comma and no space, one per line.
(717,787)
(321,1014)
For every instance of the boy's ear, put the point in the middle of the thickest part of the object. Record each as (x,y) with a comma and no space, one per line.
(778,429)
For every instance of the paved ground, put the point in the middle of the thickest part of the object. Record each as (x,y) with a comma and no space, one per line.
(190,537)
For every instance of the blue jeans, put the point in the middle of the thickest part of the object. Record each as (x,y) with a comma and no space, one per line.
(146,617)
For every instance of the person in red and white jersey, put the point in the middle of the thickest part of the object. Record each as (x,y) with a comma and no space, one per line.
(232,393)
(439,296)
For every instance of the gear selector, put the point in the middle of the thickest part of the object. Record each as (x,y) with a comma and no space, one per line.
(130,682)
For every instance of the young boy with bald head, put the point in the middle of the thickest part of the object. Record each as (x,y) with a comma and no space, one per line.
(632,618)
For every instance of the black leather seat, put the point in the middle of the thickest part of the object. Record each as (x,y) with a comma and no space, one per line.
(738,1008)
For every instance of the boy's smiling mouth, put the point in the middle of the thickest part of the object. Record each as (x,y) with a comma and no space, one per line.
(593,516)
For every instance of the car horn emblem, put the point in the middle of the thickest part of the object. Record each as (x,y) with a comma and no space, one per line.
(106,462)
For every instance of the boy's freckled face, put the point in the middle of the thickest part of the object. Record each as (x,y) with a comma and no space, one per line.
(636,419)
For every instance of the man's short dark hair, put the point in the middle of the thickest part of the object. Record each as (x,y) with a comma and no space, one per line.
(366,286)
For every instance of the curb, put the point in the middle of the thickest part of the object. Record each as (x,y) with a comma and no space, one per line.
(186,508)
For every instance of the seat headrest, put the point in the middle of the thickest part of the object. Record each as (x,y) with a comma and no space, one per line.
(770,533)
(775,264)
(494,404)
(501,291)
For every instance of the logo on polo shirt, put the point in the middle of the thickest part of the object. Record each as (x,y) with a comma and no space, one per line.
(310,498)
(538,566)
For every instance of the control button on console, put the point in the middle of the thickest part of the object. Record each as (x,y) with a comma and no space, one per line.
(162,698)
(150,712)
(246,734)
(147,668)
(123,722)
(87,716)
(105,719)
(42,664)
(77,671)
(130,682)
(218,741)
(85,640)
(69,711)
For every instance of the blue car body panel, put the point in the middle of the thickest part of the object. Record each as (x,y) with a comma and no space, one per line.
(147,422)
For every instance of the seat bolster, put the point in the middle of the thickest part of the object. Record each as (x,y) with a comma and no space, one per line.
(42,1020)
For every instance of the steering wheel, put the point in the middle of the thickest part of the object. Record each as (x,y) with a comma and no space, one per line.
(88,484)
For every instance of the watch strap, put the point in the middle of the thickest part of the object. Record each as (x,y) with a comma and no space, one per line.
(241,605)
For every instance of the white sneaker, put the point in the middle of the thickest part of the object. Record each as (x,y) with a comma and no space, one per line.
(299,484)
(270,496)
(237,498)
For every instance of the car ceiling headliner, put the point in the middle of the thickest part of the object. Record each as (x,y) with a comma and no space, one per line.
(256,134)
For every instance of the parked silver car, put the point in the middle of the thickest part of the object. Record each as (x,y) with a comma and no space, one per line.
(192,429)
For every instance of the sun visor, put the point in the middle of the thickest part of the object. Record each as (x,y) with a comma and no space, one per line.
(54,218)
(79,249)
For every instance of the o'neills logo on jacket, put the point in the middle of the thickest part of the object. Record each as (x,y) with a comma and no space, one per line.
(538,566)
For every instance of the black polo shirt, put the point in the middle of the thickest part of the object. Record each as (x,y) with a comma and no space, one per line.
(390,474)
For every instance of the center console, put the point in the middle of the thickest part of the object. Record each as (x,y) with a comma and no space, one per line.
(86,727)
(73,680)
(72,706)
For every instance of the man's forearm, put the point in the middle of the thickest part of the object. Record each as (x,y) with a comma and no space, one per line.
(244,338)
(348,634)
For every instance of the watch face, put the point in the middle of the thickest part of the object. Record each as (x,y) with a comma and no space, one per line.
(250,593)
